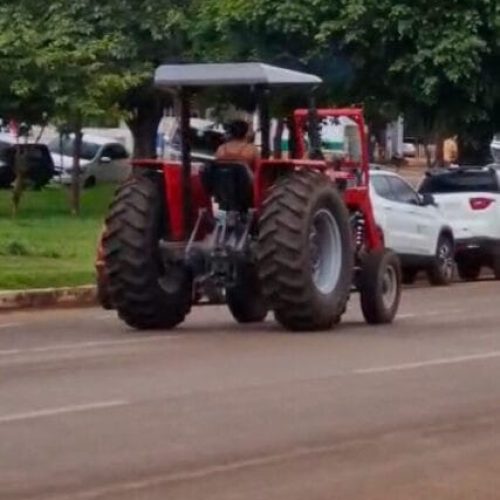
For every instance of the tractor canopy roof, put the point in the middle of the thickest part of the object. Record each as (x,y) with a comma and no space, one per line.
(232,74)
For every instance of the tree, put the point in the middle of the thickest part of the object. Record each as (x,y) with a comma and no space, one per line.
(150,32)
(435,60)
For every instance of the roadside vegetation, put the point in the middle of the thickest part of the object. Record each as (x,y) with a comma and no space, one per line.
(44,246)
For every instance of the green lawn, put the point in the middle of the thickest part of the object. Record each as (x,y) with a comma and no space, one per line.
(45,246)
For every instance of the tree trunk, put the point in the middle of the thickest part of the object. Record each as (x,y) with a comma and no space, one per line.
(75,174)
(144,127)
(20,168)
(439,156)
(427,151)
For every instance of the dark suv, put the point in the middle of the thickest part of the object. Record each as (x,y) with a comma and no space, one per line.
(40,165)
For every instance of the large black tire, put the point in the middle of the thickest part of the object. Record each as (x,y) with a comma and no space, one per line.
(468,269)
(380,271)
(287,252)
(103,296)
(244,299)
(441,271)
(145,293)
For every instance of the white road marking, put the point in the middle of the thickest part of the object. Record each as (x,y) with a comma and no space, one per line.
(202,473)
(52,412)
(85,345)
(431,362)
(104,316)
(10,352)
(10,325)
(444,312)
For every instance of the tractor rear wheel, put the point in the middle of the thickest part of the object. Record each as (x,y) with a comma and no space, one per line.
(380,286)
(146,292)
(305,252)
(244,298)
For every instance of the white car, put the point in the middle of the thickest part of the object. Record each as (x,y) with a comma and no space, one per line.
(409,149)
(470,199)
(412,226)
(206,137)
(101,160)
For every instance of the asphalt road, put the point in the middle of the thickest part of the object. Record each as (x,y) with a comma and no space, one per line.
(216,411)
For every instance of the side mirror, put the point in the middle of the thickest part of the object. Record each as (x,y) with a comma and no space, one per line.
(105,160)
(428,200)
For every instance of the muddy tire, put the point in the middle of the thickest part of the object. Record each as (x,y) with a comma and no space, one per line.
(468,269)
(305,253)
(380,286)
(244,299)
(103,297)
(442,269)
(145,293)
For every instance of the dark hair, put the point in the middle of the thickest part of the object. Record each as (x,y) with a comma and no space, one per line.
(237,129)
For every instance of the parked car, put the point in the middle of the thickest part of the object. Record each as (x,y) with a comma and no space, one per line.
(413,227)
(409,148)
(470,199)
(205,138)
(101,160)
(39,162)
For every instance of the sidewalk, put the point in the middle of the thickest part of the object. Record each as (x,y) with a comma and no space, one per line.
(82,296)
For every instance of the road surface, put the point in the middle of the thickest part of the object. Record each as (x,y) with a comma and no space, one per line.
(216,411)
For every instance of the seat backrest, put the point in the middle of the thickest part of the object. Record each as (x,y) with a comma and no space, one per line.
(230,183)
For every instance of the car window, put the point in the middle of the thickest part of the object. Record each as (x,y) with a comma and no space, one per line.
(472,181)
(402,192)
(114,152)
(65,147)
(382,186)
(203,141)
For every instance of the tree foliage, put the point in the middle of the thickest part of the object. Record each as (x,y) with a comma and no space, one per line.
(437,62)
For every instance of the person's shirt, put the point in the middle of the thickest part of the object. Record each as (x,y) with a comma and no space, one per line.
(450,151)
(238,151)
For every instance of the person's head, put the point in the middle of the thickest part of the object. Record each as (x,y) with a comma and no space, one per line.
(238,130)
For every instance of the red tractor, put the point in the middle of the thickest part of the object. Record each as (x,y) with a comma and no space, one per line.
(294,236)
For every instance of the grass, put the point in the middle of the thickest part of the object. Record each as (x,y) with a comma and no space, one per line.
(44,246)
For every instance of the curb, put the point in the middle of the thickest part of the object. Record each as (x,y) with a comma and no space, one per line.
(82,296)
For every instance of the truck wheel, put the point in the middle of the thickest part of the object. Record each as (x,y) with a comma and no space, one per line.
(244,298)
(442,269)
(146,292)
(305,252)
(468,270)
(380,286)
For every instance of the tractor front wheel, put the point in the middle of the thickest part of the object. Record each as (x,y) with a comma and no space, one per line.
(146,292)
(305,252)
(380,286)
(244,298)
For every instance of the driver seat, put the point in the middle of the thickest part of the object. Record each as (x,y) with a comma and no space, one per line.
(230,184)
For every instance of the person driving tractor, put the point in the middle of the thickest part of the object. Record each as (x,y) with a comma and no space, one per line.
(238,147)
